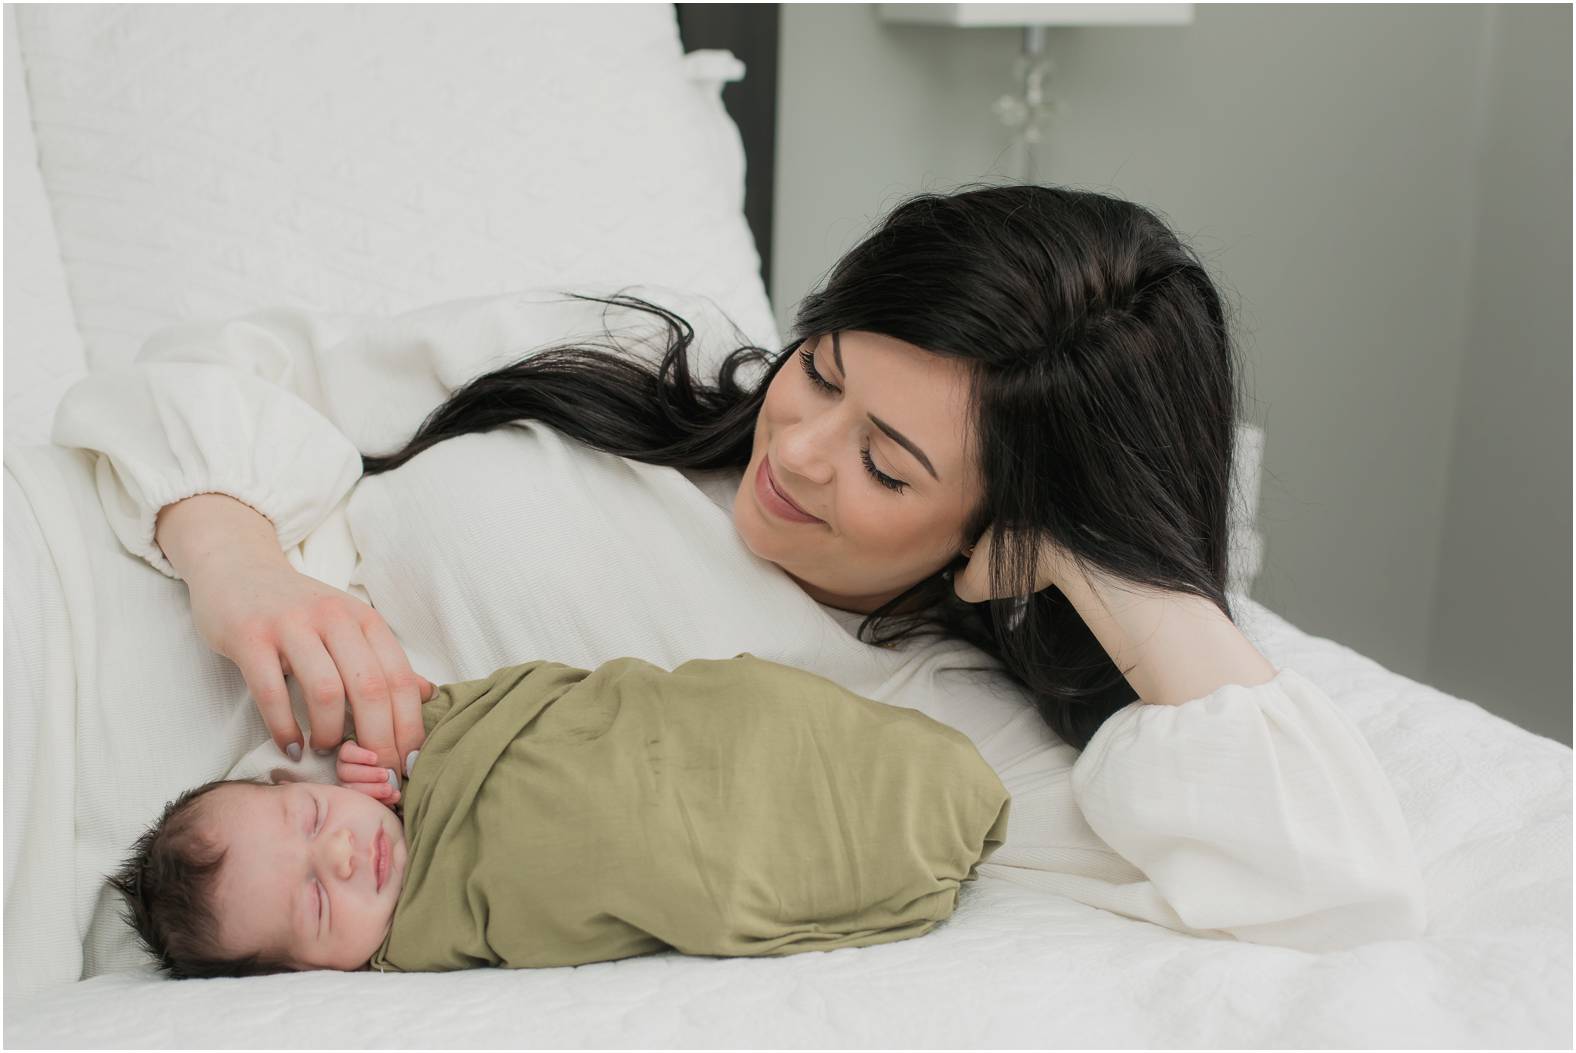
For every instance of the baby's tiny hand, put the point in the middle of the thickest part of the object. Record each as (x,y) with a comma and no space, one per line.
(358,770)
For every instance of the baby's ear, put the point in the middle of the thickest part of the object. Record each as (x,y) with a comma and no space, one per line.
(279,775)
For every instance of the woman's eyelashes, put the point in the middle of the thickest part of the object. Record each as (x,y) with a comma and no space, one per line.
(807,357)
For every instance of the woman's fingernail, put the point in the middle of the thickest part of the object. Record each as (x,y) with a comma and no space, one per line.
(410,761)
(293,751)
(393,780)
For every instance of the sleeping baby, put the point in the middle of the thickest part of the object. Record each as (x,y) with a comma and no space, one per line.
(558,816)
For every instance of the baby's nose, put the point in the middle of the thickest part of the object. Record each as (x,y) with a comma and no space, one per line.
(342,855)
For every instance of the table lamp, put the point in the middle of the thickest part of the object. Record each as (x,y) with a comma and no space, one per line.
(1028,109)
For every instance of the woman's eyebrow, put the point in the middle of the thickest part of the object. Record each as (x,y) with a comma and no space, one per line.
(892,433)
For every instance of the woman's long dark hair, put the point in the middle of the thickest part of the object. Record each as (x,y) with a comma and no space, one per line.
(1104,401)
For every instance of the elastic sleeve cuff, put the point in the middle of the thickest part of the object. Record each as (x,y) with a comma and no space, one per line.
(142,520)
(167,431)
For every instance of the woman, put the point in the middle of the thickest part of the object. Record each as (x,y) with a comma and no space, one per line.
(1008,422)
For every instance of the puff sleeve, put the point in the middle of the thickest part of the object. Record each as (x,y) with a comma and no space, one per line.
(274,408)
(215,407)
(1261,812)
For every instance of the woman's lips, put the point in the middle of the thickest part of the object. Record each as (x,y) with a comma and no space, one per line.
(774,500)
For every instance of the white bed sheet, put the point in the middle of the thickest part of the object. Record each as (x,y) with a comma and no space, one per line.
(1488,803)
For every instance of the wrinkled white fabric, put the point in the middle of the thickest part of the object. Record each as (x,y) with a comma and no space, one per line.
(1258,813)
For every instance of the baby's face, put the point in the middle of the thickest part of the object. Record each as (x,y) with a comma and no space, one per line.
(311,872)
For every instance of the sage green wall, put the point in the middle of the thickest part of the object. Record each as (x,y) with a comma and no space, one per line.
(1329,164)
(1501,627)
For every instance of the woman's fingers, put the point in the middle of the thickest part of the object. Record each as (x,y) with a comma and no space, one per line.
(405,688)
(340,661)
(275,622)
(972,583)
(321,686)
(265,679)
(367,687)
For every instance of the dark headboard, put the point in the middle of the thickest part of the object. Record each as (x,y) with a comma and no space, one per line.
(750,32)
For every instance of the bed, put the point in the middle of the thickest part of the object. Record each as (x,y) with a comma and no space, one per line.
(165,164)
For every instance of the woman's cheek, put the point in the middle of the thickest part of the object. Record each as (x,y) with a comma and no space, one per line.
(870,530)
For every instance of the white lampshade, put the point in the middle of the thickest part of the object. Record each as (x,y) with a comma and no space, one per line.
(1039,14)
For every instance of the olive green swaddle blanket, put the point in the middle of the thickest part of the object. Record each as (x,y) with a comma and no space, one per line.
(737,806)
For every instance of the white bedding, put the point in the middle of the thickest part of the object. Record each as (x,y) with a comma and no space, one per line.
(1258,813)
(1488,804)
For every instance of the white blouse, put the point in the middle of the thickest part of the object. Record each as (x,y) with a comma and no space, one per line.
(1259,814)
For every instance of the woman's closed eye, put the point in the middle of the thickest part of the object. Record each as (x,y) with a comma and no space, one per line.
(807,357)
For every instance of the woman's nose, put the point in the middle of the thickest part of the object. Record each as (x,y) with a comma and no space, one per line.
(801,450)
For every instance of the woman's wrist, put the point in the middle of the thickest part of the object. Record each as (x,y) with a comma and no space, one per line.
(209,530)
(1171,646)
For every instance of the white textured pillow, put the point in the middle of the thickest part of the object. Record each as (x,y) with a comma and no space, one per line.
(203,161)
(43,352)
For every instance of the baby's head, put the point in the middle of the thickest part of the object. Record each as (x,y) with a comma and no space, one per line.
(245,878)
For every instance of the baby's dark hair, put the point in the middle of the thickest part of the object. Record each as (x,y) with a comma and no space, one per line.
(168,885)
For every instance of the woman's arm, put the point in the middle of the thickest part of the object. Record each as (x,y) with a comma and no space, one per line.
(218,450)
(273,409)
(1171,646)
(1257,807)
(193,532)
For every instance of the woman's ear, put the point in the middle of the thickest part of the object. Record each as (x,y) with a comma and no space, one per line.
(968,547)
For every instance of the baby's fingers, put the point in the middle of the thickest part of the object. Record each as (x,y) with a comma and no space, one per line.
(379,792)
(350,774)
(355,753)
(358,769)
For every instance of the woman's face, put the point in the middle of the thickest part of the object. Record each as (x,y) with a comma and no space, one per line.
(901,407)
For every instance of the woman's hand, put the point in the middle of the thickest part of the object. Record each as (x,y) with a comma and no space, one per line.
(1171,646)
(358,769)
(250,605)
(273,621)
(972,584)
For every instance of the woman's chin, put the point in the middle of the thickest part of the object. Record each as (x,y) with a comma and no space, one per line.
(747,523)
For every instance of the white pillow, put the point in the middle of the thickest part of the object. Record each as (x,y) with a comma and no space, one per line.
(203,161)
(43,351)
